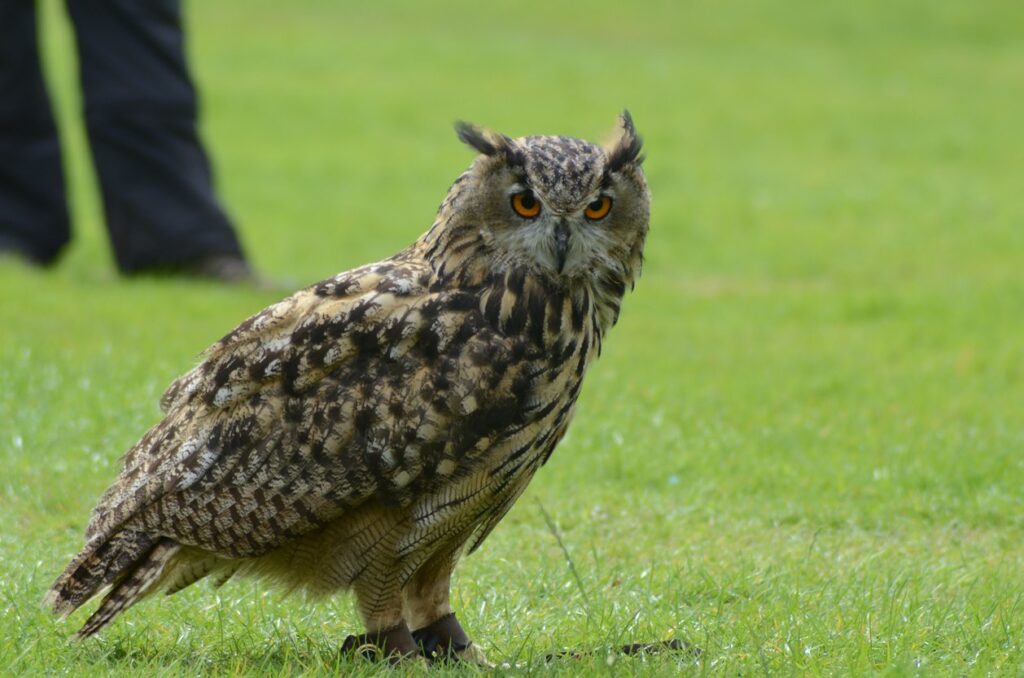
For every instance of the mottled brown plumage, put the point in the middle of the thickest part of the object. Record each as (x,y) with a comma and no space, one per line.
(364,432)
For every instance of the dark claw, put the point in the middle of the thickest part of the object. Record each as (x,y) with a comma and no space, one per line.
(674,645)
(441,639)
(395,644)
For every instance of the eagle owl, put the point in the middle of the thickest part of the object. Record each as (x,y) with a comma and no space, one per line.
(368,430)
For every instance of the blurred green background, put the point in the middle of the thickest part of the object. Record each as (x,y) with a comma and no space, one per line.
(801,449)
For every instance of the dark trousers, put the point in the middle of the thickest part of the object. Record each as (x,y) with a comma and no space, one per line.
(140,116)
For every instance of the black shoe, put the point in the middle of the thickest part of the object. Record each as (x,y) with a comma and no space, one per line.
(225,268)
(13,251)
(230,269)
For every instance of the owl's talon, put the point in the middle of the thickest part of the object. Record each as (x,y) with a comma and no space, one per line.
(474,655)
(445,639)
(395,644)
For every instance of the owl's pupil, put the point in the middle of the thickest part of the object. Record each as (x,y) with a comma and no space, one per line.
(528,201)
(596,205)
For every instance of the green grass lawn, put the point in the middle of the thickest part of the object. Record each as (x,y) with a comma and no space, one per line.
(802,447)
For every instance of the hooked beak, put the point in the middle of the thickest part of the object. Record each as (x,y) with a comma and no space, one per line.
(561,243)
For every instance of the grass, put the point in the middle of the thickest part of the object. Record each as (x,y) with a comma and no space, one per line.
(801,450)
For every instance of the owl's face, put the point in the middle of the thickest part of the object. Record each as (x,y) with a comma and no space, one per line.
(559,207)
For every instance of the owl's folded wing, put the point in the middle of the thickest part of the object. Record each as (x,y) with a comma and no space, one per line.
(367,384)
(246,400)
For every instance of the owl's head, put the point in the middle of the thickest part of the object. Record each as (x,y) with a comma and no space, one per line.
(559,207)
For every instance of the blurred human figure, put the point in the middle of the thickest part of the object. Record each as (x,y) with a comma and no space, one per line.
(140,115)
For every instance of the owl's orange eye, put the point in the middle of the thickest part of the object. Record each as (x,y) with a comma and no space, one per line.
(599,208)
(526,205)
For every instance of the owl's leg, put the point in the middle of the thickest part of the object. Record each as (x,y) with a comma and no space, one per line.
(380,605)
(428,610)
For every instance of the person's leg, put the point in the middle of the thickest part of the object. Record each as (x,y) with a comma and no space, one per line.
(140,113)
(33,207)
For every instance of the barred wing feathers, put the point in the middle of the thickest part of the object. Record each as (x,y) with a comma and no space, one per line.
(368,384)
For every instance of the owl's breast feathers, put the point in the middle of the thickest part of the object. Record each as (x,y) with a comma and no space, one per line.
(380,383)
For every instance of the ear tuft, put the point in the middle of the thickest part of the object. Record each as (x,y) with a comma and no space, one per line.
(483,140)
(625,148)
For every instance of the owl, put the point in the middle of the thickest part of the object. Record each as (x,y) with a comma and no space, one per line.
(367,431)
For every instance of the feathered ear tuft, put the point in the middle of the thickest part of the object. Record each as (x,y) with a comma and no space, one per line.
(625,147)
(483,140)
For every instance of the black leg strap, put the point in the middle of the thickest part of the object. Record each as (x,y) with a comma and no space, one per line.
(442,638)
(395,644)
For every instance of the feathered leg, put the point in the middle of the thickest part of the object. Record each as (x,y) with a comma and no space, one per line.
(380,605)
(428,609)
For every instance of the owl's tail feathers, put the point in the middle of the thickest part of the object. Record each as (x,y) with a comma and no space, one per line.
(129,562)
(130,590)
